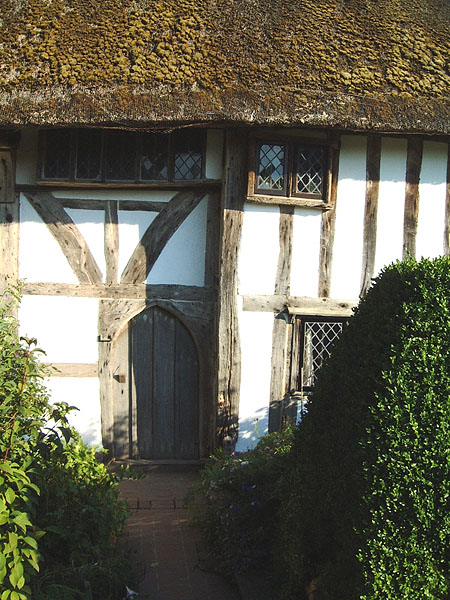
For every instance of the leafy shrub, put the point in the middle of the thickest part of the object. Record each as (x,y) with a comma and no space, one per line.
(241,493)
(59,508)
(368,503)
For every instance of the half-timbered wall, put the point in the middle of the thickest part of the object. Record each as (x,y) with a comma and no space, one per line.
(390,199)
(84,252)
(237,271)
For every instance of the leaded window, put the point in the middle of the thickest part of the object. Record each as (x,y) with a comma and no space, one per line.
(271,167)
(95,155)
(56,154)
(88,154)
(309,170)
(188,155)
(291,169)
(319,338)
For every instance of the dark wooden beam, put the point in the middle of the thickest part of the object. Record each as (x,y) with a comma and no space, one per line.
(328,228)
(69,238)
(229,350)
(158,234)
(413,168)
(302,305)
(111,242)
(130,291)
(371,210)
(286,232)
(280,326)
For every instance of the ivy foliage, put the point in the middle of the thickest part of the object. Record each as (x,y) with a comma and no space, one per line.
(367,508)
(59,508)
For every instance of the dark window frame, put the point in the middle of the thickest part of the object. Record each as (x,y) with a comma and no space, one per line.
(289,194)
(138,136)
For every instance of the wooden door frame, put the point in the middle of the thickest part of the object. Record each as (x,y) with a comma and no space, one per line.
(197,317)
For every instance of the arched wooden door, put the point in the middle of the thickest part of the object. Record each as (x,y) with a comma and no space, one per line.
(164,386)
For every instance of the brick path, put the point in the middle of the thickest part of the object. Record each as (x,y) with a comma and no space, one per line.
(167,548)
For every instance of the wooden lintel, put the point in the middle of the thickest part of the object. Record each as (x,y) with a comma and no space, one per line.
(300,305)
(73,369)
(290,201)
(413,168)
(45,186)
(371,210)
(101,204)
(186,293)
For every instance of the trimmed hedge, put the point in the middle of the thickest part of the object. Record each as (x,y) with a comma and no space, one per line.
(367,507)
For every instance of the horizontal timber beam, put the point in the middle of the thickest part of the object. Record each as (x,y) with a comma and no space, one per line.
(302,305)
(127,291)
(73,369)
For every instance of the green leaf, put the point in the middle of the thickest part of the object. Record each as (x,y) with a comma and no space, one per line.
(30,541)
(10,495)
(6,594)
(13,538)
(22,521)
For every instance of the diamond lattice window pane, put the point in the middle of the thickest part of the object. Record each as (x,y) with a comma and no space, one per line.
(319,337)
(271,167)
(57,154)
(120,156)
(188,154)
(89,146)
(188,165)
(154,157)
(310,170)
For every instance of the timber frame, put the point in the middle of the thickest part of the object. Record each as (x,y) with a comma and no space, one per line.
(211,312)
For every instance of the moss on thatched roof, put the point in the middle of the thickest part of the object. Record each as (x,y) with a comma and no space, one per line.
(354,63)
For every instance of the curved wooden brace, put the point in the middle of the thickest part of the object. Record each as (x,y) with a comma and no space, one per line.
(68,236)
(158,234)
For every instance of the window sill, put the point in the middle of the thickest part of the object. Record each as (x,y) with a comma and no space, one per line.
(290,201)
(42,184)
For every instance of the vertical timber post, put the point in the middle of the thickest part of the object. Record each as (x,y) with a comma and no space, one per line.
(229,351)
(9,213)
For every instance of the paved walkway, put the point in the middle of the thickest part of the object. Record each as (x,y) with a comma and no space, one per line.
(167,547)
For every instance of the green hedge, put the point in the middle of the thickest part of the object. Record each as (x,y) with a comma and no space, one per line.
(367,500)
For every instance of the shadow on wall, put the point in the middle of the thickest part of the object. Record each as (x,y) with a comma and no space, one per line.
(252,428)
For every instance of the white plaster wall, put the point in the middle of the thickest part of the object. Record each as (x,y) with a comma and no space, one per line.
(259,249)
(91,225)
(214,153)
(432,189)
(306,252)
(348,241)
(83,393)
(40,256)
(255,331)
(182,261)
(391,202)
(132,226)
(66,328)
(27,157)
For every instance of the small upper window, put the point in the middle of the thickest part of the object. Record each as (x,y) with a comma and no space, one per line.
(95,155)
(291,169)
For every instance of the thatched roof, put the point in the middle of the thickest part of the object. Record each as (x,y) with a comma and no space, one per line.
(358,64)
